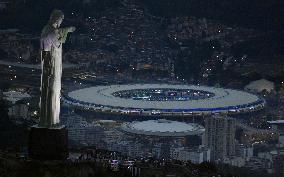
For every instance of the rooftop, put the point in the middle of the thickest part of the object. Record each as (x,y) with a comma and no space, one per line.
(162,127)
(102,97)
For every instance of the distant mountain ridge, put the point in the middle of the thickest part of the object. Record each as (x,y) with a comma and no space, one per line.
(261,14)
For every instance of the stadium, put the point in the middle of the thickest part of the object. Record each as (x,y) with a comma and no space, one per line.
(163,100)
(162,128)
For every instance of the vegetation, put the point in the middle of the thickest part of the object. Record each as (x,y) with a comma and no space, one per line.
(12,136)
(56,169)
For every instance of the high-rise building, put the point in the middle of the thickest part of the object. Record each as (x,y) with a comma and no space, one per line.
(220,136)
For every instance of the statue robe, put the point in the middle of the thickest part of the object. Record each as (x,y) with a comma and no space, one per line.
(51,62)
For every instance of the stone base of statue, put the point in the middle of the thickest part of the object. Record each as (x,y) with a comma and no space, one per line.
(48,143)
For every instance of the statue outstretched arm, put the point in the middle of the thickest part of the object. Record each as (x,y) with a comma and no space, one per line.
(63,32)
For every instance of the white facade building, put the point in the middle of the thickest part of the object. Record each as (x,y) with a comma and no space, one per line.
(19,110)
(194,155)
(235,161)
(82,132)
(244,151)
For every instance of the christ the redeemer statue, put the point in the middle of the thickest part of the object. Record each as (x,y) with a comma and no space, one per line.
(52,38)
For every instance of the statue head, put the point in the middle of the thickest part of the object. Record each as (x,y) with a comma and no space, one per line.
(56,18)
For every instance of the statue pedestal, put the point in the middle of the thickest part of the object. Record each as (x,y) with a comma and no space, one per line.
(48,143)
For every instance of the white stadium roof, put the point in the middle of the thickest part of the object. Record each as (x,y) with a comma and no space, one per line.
(162,127)
(222,101)
(15,96)
(260,85)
